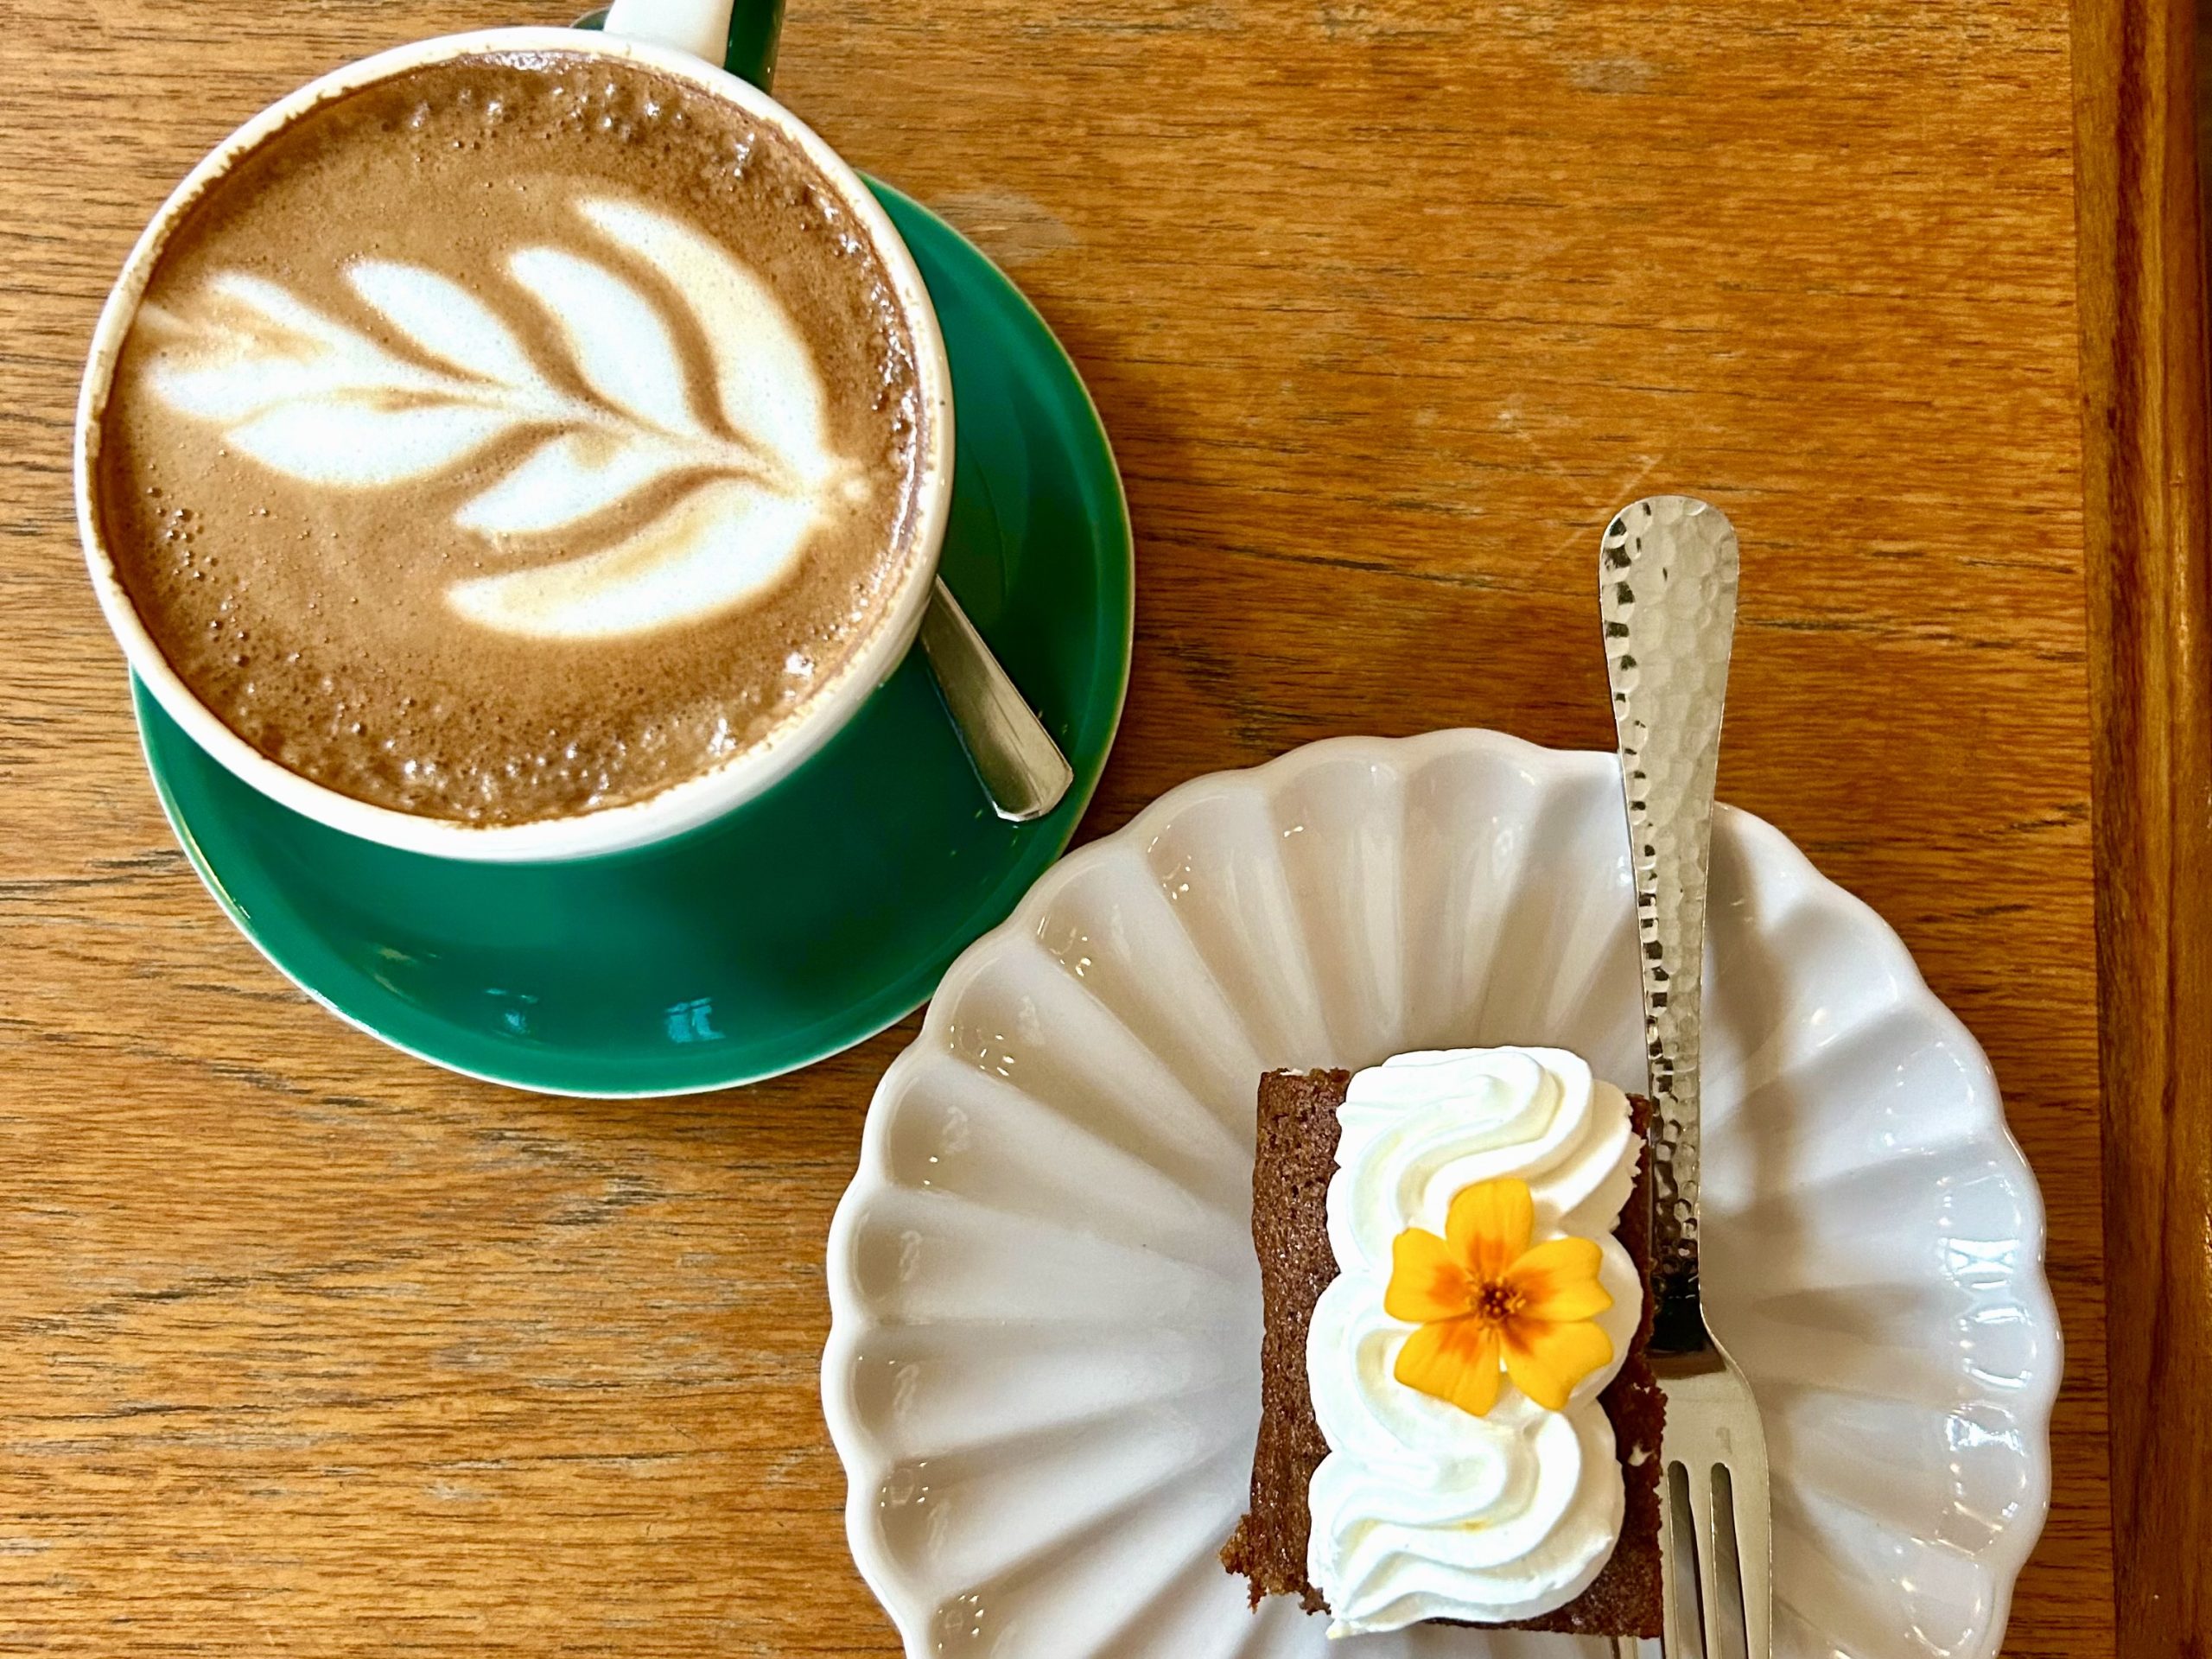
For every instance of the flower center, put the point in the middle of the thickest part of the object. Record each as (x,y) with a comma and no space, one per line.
(1494,1301)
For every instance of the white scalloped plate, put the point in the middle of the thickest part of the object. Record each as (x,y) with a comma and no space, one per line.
(1042,1370)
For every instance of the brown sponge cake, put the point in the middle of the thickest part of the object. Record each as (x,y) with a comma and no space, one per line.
(1294,1159)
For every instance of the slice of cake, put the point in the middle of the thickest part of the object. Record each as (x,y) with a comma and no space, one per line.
(1458,1421)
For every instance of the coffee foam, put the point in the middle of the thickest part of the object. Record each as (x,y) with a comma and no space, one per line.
(578,475)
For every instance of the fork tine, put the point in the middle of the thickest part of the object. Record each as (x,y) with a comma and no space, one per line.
(1710,1611)
(1747,1472)
(1683,1638)
(1727,1618)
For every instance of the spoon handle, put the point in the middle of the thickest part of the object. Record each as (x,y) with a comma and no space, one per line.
(1022,769)
(1667,575)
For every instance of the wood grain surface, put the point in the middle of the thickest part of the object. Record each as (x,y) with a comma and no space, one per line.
(308,1349)
(2144,122)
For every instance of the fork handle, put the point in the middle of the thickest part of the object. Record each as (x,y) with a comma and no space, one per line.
(1667,596)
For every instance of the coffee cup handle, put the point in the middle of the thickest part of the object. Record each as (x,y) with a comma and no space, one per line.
(741,36)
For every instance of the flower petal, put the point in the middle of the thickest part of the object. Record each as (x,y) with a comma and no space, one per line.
(1558,1281)
(1489,1222)
(1427,1282)
(1454,1360)
(1547,1361)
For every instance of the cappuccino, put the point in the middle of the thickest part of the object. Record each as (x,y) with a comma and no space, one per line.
(514,437)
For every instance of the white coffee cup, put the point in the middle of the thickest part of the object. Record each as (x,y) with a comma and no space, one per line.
(679,38)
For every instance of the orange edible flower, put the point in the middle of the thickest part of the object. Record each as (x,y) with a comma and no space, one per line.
(1481,1296)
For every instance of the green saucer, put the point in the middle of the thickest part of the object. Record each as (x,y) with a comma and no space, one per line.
(806,921)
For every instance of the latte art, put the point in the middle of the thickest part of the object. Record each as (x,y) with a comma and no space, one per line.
(514,437)
(321,401)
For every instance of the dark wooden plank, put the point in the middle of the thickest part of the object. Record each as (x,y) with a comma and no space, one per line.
(2143,388)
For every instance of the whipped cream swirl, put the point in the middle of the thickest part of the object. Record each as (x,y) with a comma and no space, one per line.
(1422,1510)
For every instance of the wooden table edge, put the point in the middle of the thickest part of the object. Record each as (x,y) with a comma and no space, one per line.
(2147,489)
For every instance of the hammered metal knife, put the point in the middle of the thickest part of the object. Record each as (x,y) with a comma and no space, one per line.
(1667,575)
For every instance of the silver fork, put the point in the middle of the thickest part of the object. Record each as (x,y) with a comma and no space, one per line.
(1666,593)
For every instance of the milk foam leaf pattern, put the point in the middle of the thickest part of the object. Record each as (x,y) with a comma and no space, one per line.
(566,480)
(649,509)
(252,347)
(719,546)
(359,449)
(764,377)
(620,345)
(444,319)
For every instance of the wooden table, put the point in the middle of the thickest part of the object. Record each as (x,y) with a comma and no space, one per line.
(310,1349)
